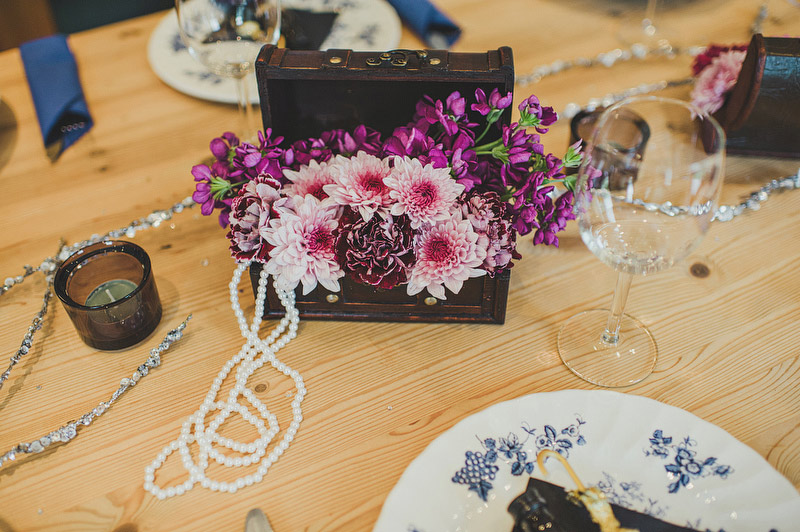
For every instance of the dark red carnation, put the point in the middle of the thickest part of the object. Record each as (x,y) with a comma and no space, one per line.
(378,252)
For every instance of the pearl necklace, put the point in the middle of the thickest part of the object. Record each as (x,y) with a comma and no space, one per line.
(255,353)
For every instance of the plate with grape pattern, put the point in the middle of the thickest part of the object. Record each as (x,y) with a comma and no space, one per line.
(644,455)
(366,25)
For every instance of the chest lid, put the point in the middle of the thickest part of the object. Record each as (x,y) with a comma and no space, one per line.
(304,93)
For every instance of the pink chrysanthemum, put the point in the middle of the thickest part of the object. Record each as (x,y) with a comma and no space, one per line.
(251,210)
(424,193)
(448,253)
(715,80)
(309,179)
(358,182)
(303,239)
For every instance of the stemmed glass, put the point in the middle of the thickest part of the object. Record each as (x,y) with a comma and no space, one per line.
(644,199)
(644,30)
(226,36)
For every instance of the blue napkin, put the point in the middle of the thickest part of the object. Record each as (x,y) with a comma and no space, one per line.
(428,22)
(56,90)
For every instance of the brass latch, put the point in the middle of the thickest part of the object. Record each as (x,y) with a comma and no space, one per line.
(399,58)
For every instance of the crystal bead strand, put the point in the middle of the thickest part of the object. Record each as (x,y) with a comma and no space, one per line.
(636,51)
(49,265)
(69,431)
(254,354)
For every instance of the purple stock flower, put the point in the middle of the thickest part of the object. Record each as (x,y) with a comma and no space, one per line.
(303,152)
(553,218)
(533,114)
(409,142)
(212,188)
(520,146)
(495,101)
(250,161)
(342,142)
(450,114)
(222,146)
(202,193)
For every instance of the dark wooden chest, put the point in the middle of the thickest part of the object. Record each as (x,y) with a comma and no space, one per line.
(304,93)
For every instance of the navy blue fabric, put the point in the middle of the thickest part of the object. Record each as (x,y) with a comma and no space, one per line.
(56,90)
(427,21)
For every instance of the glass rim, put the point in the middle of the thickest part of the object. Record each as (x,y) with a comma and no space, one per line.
(71,263)
(691,107)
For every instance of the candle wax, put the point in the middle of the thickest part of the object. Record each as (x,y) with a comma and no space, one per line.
(109,292)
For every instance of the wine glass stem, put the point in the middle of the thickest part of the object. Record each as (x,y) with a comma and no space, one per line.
(245,109)
(611,334)
(648,23)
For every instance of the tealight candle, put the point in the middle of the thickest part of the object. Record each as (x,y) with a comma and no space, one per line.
(110,294)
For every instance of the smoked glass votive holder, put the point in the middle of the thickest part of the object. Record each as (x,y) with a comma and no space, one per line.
(110,294)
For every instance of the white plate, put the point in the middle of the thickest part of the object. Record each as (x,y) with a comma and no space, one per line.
(365,25)
(645,455)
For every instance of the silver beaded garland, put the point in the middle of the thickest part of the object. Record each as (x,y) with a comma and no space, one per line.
(69,431)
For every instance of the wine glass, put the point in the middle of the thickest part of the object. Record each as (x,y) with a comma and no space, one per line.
(645,195)
(226,36)
(644,30)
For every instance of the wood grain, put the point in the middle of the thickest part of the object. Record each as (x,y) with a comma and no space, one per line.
(378,393)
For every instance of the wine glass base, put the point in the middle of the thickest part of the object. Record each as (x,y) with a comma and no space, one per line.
(583,350)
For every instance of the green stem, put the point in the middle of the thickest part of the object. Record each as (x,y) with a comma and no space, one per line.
(487,148)
(485,131)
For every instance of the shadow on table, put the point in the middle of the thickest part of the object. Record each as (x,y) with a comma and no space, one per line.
(4,526)
(8,133)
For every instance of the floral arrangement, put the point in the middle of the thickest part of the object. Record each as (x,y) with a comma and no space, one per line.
(430,206)
(716,71)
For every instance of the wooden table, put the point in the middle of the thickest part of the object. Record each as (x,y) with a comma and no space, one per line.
(378,393)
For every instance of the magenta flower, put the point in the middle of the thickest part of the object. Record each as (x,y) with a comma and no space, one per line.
(450,112)
(553,218)
(303,152)
(424,193)
(222,146)
(342,142)
(448,253)
(251,211)
(450,115)
(213,189)
(532,114)
(309,179)
(358,183)
(495,101)
(378,252)
(302,239)
(712,85)
(251,161)
(408,142)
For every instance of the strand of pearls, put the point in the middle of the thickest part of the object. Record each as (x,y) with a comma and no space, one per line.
(255,353)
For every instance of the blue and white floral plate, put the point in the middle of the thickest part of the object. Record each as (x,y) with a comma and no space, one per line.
(365,25)
(644,455)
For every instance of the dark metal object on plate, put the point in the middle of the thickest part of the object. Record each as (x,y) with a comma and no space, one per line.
(543,503)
